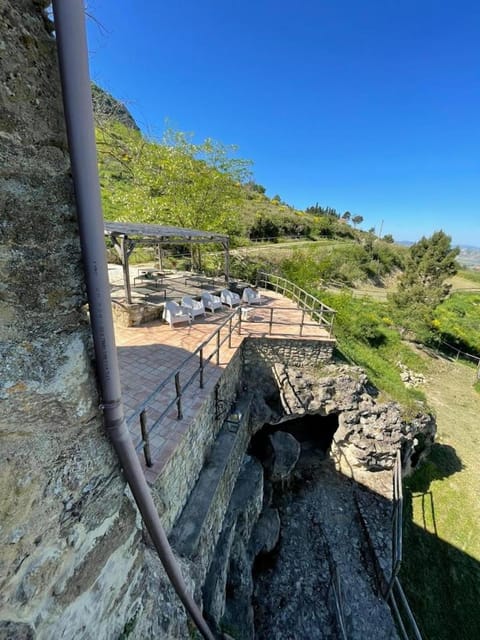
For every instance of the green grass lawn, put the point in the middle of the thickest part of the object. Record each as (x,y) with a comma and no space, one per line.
(441,569)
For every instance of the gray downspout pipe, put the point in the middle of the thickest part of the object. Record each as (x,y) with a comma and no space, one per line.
(77,98)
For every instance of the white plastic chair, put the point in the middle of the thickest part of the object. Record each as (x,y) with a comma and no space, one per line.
(211,302)
(173,313)
(250,296)
(230,298)
(195,307)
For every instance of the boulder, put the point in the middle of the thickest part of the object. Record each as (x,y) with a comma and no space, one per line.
(286,451)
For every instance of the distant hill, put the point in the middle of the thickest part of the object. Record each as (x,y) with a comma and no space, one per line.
(469,257)
(106,107)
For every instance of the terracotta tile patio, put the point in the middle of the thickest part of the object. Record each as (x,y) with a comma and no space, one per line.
(149,354)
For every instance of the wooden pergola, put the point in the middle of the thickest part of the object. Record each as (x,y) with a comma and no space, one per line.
(126,235)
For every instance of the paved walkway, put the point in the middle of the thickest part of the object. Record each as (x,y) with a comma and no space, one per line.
(149,354)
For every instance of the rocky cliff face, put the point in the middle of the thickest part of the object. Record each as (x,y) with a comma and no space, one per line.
(369,432)
(108,108)
(71,558)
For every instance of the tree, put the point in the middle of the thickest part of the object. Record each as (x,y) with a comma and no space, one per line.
(388,238)
(318,210)
(422,287)
(346,216)
(257,188)
(175,182)
(357,220)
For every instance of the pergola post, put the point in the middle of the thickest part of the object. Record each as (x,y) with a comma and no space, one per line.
(125,253)
(227,261)
(160,256)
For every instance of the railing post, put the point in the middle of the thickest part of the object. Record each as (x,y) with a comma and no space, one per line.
(201,367)
(271,322)
(178,391)
(230,333)
(145,438)
(302,321)
(218,347)
(239,311)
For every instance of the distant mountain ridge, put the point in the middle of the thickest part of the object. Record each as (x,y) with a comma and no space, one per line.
(469,256)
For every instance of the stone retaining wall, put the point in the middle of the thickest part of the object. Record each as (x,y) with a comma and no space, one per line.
(179,475)
(296,352)
(133,315)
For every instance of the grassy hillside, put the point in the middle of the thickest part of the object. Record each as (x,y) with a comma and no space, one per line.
(457,320)
(441,569)
(203,185)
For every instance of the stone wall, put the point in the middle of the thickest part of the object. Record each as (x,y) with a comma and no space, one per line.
(133,315)
(179,475)
(293,351)
(71,559)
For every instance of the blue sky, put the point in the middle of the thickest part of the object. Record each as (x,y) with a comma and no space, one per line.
(371,107)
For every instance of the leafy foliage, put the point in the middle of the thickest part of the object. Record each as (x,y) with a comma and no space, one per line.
(423,286)
(357,220)
(318,210)
(365,334)
(176,182)
(342,263)
(457,321)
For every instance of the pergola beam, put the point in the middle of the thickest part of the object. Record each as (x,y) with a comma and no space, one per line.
(122,234)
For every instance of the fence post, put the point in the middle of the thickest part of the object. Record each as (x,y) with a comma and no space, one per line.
(178,391)
(218,346)
(271,322)
(201,367)
(145,438)
(230,333)
(303,320)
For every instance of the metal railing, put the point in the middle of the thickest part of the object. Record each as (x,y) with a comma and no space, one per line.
(338,599)
(397,592)
(278,317)
(397,521)
(394,589)
(323,314)
(200,359)
(335,584)
(194,366)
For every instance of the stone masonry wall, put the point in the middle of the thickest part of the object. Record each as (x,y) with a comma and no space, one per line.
(179,475)
(70,552)
(296,352)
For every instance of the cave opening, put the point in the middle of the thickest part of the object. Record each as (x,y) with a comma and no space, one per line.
(313,431)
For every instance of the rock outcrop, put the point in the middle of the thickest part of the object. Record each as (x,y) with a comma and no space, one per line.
(72,560)
(108,109)
(369,432)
